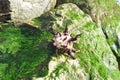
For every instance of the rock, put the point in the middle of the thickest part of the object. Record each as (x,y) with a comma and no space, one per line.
(118,2)
(104,14)
(22,10)
(4,10)
(32,57)
(95,61)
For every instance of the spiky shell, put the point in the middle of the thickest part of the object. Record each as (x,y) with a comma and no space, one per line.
(62,40)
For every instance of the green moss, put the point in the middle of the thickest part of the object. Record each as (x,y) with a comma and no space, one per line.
(2,69)
(103,71)
(23,49)
(93,45)
(11,38)
(60,68)
(115,74)
(90,26)
(92,53)
(44,21)
(42,72)
(91,63)
(110,23)
(73,15)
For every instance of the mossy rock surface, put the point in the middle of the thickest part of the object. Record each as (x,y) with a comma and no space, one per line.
(26,51)
(104,14)
(95,60)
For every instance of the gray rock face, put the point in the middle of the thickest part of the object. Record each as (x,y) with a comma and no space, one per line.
(22,10)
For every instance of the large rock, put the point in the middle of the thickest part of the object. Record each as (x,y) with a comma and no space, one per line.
(26,53)
(22,10)
(95,61)
(104,14)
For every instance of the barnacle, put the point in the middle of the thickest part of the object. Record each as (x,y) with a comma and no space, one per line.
(64,41)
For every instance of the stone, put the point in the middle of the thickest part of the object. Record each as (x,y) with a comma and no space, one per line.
(104,14)
(31,56)
(23,10)
(4,10)
(95,61)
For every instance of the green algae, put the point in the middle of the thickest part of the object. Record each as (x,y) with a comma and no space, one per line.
(30,51)
(24,49)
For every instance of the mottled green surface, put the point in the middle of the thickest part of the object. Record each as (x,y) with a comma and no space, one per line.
(105,14)
(96,57)
(23,51)
(26,51)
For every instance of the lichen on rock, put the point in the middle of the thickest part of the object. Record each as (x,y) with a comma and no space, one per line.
(31,55)
(95,56)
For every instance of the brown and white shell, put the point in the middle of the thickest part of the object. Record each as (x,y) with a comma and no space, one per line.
(65,41)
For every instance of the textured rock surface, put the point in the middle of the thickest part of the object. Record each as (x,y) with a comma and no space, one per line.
(22,10)
(104,14)
(4,10)
(95,60)
(26,53)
